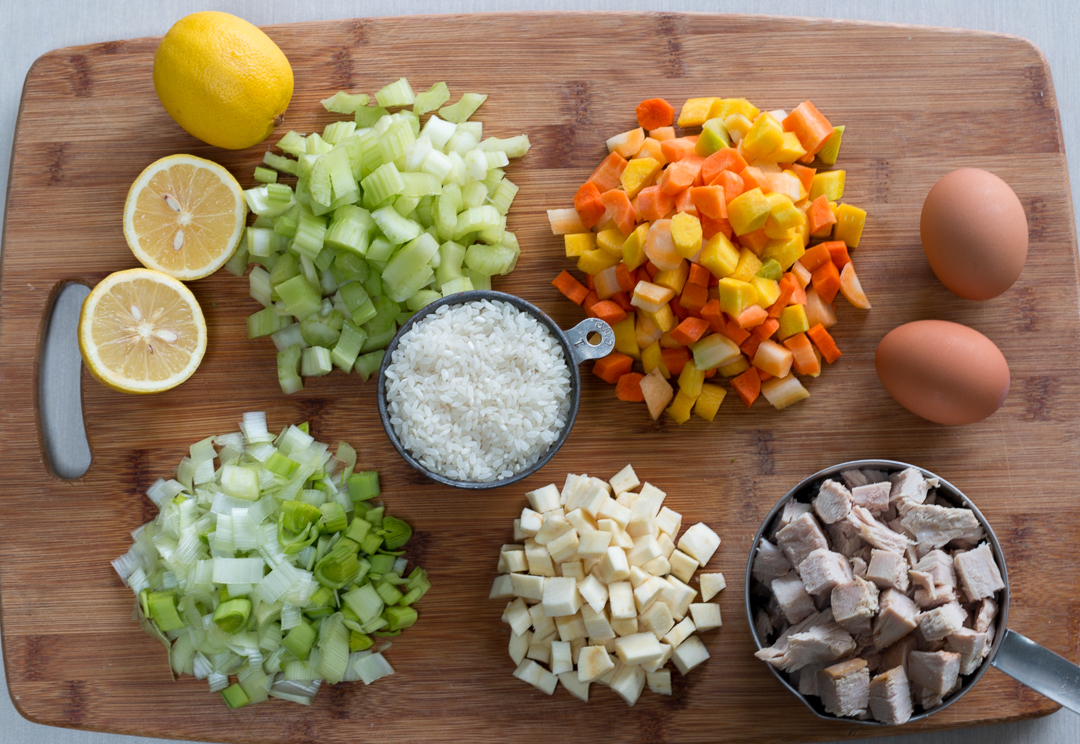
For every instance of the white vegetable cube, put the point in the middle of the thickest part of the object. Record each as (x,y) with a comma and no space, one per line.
(539,650)
(667,547)
(628,683)
(625,627)
(658,566)
(680,632)
(528,586)
(642,519)
(573,488)
(638,576)
(571,627)
(538,558)
(593,544)
(540,678)
(621,599)
(578,689)
(593,663)
(519,645)
(682,566)
(560,596)
(607,643)
(554,525)
(544,499)
(652,666)
(576,645)
(652,495)
(627,499)
(564,547)
(625,480)
(649,591)
(503,588)
(531,521)
(240,482)
(561,661)
(699,542)
(678,597)
(706,615)
(581,520)
(645,549)
(543,626)
(517,616)
(594,592)
(669,522)
(614,566)
(573,570)
(657,619)
(609,676)
(589,499)
(616,512)
(711,585)
(602,484)
(659,681)
(512,559)
(596,624)
(689,654)
(638,648)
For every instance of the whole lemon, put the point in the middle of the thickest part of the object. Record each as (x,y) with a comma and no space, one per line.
(222,79)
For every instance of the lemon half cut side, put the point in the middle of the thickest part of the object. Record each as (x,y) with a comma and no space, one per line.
(141,331)
(184,216)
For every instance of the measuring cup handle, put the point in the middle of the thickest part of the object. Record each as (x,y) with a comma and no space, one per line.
(1040,669)
(578,338)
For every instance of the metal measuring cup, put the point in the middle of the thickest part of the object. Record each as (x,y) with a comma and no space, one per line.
(1018,656)
(576,349)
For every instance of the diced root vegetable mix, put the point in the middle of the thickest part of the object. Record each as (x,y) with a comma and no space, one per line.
(387,215)
(717,249)
(599,590)
(275,567)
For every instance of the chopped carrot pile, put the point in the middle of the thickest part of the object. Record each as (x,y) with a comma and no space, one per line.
(714,244)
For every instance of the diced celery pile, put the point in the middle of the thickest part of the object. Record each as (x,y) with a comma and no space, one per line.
(276,567)
(388,214)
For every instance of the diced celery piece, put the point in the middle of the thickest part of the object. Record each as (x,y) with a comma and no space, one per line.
(238,262)
(422,298)
(259,241)
(476,167)
(317,333)
(300,297)
(451,256)
(234,696)
(283,164)
(316,145)
(310,233)
(350,229)
(477,218)
(421,184)
(514,147)
(457,169)
(337,131)
(259,286)
(380,250)
(395,228)
(377,341)
(431,99)
(258,201)
(315,362)
(345,103)
(265,175)
(396,140)
(341,178)
(412,119)
(447,206)
(411,284)
(265,322)
(293,143)
(288,361)
(348,346)
(496,159)
(373,284)
(397,93)
(404,205)
(349,266)
(366,116)
(278,193)
(473,194)
(384,182)
(424,213)
(406,262)
(367,365)
(479,281)
(437,164)
(290,335)
(490,259)
(463,109)
(504,195)
(287,266)
(416,153)
(439,131)
(461,284)
(462,142)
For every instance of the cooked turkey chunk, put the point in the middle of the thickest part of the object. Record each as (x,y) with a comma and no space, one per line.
(890,697)
(801,538)
(833,502)
(876,533)
(795,603)
(873,496)
(845,688)
(979,575)
(816,640)
(937,672)
(939,565)
(897,617)
(937,526)
(943,621)
(888,570)
(854,605)
(769,563)
(908,485)
(822,570)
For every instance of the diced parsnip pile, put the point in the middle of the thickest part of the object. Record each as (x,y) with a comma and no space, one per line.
(387,215)
(599,591)
(696,247)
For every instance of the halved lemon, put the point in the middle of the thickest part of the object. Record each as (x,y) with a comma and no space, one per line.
(141,331)
(184,216)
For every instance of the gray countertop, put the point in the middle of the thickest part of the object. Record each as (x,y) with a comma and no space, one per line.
(29,29)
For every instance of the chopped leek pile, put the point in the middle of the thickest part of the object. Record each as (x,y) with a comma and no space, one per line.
(387,214)
(277,567)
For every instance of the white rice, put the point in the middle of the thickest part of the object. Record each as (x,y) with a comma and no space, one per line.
(478,391)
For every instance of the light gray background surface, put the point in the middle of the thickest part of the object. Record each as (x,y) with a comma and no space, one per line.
(29,28)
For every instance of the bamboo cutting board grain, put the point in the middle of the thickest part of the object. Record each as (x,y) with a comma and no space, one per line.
(917,103)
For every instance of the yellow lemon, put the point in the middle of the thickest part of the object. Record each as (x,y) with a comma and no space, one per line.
(222,79)
(141,331)
(184,216)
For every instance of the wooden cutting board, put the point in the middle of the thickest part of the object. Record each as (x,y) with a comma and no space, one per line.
(917,103)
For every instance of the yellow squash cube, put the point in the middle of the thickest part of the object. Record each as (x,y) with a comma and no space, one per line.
(792,320)
(663,318)
(708,402)
(786,252)
(675,279)
(831,149)
(686,234)
(691,379)
(725,107)
(611,240)
(719,256)
(829,183)
(849,225)
(626,337)
(803,193)
(788,151)
(652,358)
(680,408)
(748,212)
(747,267)
(593,262)
(633,248)
(736,368)
(579,243)
(768,290)
(695,111)
(765,135)
(736,296)
(639,173)
(737,123)
(784,216)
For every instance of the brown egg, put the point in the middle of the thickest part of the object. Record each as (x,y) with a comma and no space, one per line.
(945,372)
(974,233)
